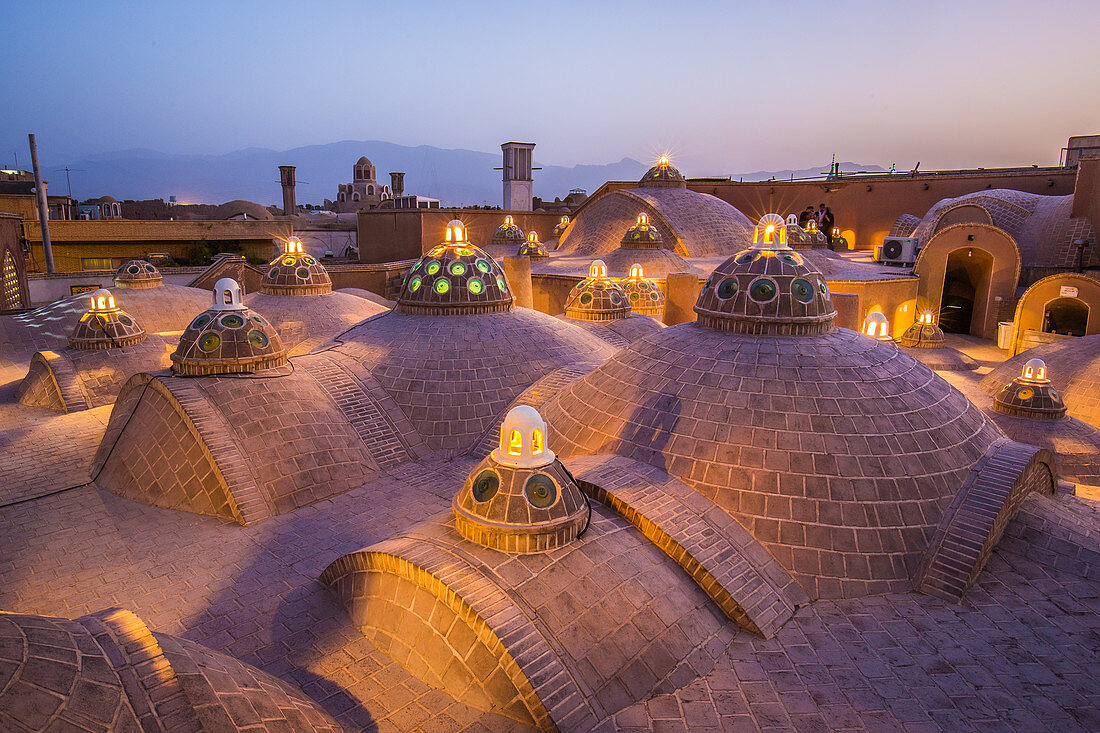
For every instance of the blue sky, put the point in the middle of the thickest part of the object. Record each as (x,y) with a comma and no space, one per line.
(723,86)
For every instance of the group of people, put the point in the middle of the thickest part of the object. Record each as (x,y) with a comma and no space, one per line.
(824,219)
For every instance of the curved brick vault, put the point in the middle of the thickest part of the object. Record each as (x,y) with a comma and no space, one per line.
(108,672)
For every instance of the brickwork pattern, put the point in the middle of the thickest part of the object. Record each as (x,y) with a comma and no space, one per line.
(838,453)
(452,375)
(904,225)
(306,322)
(974,522)
(52,383)
(738,574)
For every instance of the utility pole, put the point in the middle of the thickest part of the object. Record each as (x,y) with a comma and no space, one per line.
(43,207)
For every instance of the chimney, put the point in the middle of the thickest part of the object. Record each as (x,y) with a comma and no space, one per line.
(397,183)
(286,177)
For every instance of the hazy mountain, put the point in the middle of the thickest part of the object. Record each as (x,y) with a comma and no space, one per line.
(821,170)
(456,177)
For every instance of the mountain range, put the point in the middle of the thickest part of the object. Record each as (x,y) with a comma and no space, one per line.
(456,177)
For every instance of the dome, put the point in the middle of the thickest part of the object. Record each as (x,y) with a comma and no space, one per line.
(662,175)
(295,273)
(877,326)
(104,325)
(508,232)
(837,452)
(455,278)
(643,294)
(533,247)
(767,289)
(520,498)
(228,338)
(1031,394)
(597,297)
(560,227)
(924,334)
(137,275)
(241,209)
(363,160)
(642,235)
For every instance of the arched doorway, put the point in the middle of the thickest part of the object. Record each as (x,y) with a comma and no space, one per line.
(966,282)
(1066,317)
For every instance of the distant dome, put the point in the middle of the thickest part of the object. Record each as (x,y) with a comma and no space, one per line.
(643,294)
(642,234)
(228,338)
(241,209)
(533,247)
(455,278)
(663,175)
(508,232)
(105,325)
(1031,394)
(520,498)
(295,273)
(767,289)
(364,160)
(137,275)
(597,297)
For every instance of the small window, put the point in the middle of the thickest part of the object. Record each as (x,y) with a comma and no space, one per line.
(536,441)
(227,297)
(515,443)
(95,263)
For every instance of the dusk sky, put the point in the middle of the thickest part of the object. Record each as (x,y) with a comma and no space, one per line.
(723,86)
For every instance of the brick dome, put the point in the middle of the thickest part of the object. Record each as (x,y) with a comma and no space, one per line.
(138,274)
(104,325)
(767,289)
(837,452)
(642,234)
(520,498)
(663,175)
(228,338)
(643,294)
(295,273)
(533,247)
(597,297)
(455,278)
(508,232)
(924,334)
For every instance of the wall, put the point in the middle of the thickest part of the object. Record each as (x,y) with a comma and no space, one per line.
(389,235)
(120,240)
(867,206)
(48,288)
(894,298)
(1032,306)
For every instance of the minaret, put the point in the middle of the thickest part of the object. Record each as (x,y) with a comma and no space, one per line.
(286,177)
(519,185)
(397,183)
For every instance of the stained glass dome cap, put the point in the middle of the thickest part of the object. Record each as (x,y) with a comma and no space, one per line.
(663,175)
(228,337)
(924,334)
(520,498)
(455,278)
(294,272)
(138,275)
(597,297)
(104,325)
(508,232)
(642,234)
(533,247)
(644,295)
(767,289)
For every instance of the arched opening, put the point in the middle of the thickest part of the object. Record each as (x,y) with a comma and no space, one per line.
(227,297)
(966,283)
(515,443)
(341,197)
(370,190)
(355,196)
(1066,316)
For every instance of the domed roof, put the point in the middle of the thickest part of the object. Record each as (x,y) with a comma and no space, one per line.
(597,297)
(240,207)
(1031,394)
(767,289)
(363,160)
(533,247)
(836,451)
(663,175)
(137,274)
(104,325)
(643,294)
(455,278)
(508,232)
(642,234)
(924,334)
(520,498)
(561,226)
(228,338)
(295,273)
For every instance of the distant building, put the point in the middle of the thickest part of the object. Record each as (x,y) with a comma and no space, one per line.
(364,192)
(413,201)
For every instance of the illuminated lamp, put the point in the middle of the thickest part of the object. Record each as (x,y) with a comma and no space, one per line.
(456,232)
(102,301)
(523,440)
(927,317)
(532,237)
(1035,372)
(293,246)
(877,326)
(636,271)
(770,230)
(597,269)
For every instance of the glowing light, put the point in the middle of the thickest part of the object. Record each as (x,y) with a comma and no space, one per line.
(877,326)
(643,219)
(636,271)
(515,443)
(663,161)
(102,301)
(927,317)
(293,246)
(533,237)
(597,269)
(523,439)
(456,232)
(536,441)
(1035,370)
(564,219)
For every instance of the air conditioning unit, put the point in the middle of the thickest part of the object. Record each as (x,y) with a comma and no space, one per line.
(898,251)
